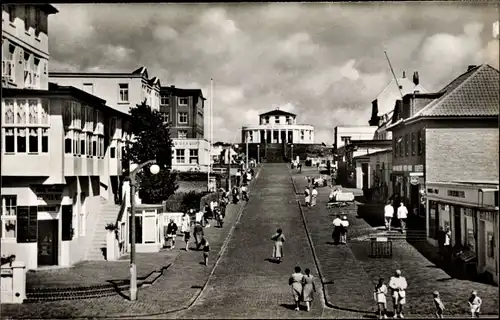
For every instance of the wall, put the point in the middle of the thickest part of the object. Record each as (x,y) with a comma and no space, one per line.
(107,89)
(355,132)
(410,159)
(454,153)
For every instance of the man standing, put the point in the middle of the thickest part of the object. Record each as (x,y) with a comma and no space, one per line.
(388,215)
(402,215)
(171,234)
(337,225)
(398,286)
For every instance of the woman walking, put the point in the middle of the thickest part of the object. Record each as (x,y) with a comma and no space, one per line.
(295,282)
(308,289)
(186,228)
(307,197)
(279,240)
(314,196)
(381,299)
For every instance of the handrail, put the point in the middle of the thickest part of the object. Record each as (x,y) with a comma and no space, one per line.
(123,206)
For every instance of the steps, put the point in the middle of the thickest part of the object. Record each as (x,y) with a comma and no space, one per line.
(108,214)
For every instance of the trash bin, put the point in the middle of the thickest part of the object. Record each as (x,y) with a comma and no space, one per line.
(381,247)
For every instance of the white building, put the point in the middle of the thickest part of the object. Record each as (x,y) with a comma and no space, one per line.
(278,126)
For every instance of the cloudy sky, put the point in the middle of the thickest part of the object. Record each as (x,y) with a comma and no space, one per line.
(324,62)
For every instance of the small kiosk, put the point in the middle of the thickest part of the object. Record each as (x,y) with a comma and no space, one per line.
(148,227)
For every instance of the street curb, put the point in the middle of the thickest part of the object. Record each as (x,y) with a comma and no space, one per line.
(315,257)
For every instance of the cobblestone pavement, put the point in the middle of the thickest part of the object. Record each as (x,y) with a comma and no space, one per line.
(244,284)
(354,274)
(179,285)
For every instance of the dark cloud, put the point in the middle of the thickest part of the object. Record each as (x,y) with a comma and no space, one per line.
(325,62)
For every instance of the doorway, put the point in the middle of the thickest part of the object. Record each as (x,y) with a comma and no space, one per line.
(364,170)
(47,242)
(457,226)
(414,199)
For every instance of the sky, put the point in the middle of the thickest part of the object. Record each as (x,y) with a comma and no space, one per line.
(324,62)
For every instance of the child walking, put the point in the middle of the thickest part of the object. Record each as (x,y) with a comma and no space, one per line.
(439,305)
(206,249)
(381,299)
(475,304)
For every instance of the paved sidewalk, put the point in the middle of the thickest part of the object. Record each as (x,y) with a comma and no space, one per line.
(175,290)
(355,275)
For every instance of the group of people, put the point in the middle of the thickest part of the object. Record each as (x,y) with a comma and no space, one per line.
(402,215)
(310,196)
(303,288)
(398,286)
(340,226)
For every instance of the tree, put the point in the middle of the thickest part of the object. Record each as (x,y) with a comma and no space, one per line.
(151,141)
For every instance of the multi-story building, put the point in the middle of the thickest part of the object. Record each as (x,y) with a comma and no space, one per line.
(56,159)
(25,46)
(184,109)
(446,137)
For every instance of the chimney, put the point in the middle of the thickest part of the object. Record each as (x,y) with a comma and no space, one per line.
(375,119)
(404,74)
(416,80)
(472,66)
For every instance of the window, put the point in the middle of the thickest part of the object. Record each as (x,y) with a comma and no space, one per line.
(88,87)
(421,135)
(38,19)
(9,140)
(183,117)
(33,140)
(179,156)
(276,119)
(165,100)
(183,101)
(12,12)
(36,72)
(8,64)
(267,119)
(94,146)
(82,144)
(182,134)
(396,148)
(112,152)
(165,116)
(401,146)
(407,144)
(76,144)
(413,143)
(288,120)
(123,93)
(9,217)
(28,70)
(193,156)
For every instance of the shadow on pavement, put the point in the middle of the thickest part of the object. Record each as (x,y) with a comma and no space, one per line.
(270,260)
(290,306)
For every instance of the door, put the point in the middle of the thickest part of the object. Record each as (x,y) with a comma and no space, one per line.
(364,170)
(457,226)
(414,199)
(47,242)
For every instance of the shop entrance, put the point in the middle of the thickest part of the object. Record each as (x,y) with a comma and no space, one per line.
(47,242)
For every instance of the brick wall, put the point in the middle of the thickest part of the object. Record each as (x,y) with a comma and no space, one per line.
(462,154)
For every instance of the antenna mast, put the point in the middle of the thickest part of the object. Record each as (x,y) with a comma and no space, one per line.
(392,70)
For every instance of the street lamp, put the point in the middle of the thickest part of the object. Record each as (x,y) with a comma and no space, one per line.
(134,169)
(291,151)
(258,153)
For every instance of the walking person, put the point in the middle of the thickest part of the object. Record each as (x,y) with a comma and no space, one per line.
(244,192)
(314,196)
(238,177)
(279,240)
(295,281)
(308,289)
(388,215)
(475,304)
(186,228)
(198,234)
(337,225)
(447,246)
(380,294)
(402,215)
(206,250)
(171,233)
(398,286)
(438,304)
(343,230)
(307,197)
(236,195)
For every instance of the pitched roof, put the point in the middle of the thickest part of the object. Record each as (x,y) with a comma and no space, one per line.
(277,112)
(474,93)
(179,92)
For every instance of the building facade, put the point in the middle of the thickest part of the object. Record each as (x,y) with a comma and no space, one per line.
(470,211)
(463,115)
(184,110)
(278,126)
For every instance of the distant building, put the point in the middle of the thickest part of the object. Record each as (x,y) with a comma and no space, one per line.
(58,166)
(278,126)
(184,109)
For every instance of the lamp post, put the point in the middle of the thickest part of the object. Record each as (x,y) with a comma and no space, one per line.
(133,184)
(229,166)
(291,151)
(258,153)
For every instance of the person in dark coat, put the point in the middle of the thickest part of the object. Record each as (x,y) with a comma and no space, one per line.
(171,234)
(198,234)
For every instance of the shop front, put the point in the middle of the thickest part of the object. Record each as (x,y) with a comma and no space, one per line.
(470,212)
(409,182)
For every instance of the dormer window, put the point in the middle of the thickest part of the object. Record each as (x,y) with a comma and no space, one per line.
(277,119)
(267,119)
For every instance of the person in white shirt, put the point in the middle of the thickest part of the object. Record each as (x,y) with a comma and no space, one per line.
(398,286)
(337,224)
(388,214)
(343,230)
(333,195)
(314,196)
(379,294)
(199,217)
(186,228)
(402,215)
(244,192)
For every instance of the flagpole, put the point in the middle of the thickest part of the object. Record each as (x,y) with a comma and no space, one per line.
(210,134)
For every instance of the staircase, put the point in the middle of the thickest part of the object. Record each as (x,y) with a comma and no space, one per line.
(108,213)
